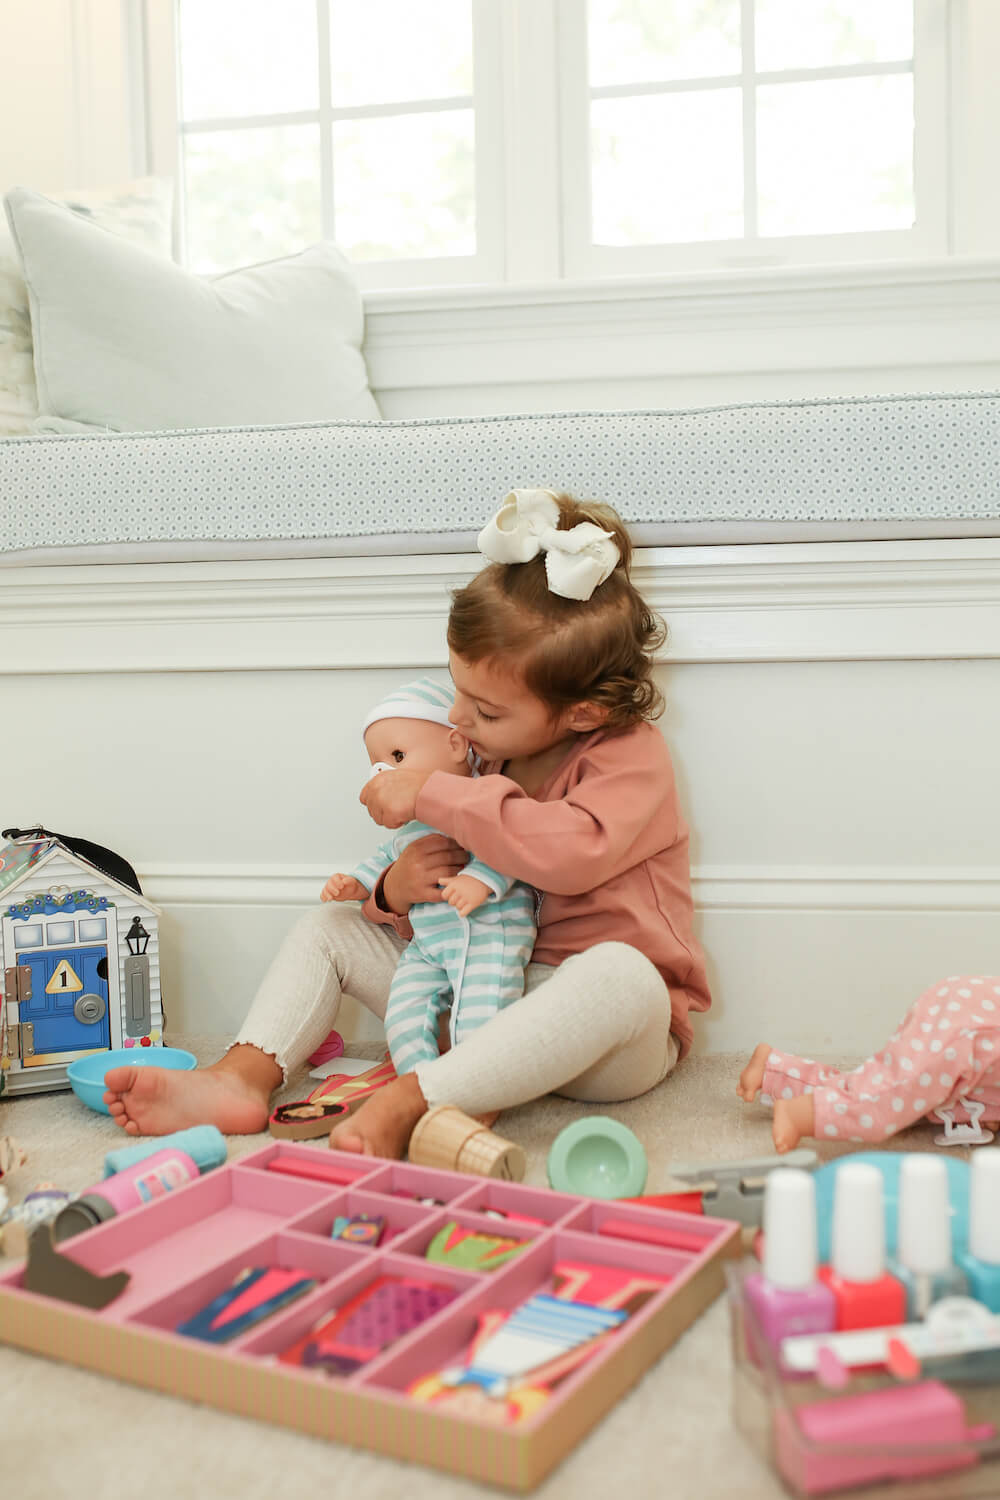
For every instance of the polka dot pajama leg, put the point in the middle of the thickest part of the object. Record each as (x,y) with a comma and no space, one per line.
(947,1046)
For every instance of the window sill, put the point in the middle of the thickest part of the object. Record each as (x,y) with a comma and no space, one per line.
(904,313)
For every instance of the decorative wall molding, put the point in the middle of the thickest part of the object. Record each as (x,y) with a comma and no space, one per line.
(717,888)
(793,602)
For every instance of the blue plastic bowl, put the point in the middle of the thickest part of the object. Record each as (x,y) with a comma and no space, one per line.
(86,1075)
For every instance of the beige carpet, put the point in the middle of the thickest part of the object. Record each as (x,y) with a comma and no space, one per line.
(69,1433)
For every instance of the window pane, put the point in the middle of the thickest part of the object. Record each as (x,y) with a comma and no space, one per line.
(404,186)
(59,932)
(836,156)
(92,929)
(247,57)
(27,937)
(833,33)
(647,41)
(250,195)
(667,167)
(384,51)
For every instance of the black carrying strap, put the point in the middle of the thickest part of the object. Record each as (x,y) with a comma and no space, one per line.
(106,860)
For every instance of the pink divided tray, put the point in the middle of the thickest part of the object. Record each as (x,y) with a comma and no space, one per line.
(185,1248)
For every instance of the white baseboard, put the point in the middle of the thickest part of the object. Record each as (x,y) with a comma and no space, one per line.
(820,960)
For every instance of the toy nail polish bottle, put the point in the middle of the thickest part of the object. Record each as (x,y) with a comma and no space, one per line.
(786,1297)
(923,1236)
(866,1295)
(981,1262)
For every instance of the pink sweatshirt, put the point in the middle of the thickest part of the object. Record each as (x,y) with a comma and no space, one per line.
(605,842)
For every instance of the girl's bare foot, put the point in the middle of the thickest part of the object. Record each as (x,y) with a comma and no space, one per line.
(233,1094)
(793,1118)
(753,1074)
(384,1123)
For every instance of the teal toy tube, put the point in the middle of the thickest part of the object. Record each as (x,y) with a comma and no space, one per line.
(205,1145)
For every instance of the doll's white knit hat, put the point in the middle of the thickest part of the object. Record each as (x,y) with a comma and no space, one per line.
(422,699)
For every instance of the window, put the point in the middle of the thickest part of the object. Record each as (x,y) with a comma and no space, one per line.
(442,141)
(28,937)
(57,933)
(93,929)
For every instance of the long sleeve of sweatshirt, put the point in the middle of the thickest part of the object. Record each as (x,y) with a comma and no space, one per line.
(618,808)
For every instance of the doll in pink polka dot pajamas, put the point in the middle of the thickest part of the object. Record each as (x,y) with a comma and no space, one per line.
(944,1056)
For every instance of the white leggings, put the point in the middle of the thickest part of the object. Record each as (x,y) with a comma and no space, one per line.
(596,1028)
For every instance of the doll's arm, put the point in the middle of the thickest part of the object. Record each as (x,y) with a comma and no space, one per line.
(363,878)
(465,893)
(496,884)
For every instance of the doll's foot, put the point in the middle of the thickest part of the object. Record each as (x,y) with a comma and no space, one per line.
(793,1118)
(753,1074)
(384,1123)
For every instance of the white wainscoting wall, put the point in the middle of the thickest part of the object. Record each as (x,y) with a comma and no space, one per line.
(833,713)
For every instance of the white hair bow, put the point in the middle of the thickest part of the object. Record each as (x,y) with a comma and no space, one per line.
(576,561)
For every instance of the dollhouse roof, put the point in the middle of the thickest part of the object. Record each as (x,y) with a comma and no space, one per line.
(21,859)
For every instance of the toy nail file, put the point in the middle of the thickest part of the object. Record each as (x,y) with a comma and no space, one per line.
(954,1326)
(452,1246)
(735,1190)
(319,1170)
(256,1293)
(536,1333)
(343,1341)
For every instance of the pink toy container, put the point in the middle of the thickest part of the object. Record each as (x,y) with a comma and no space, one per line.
(878,1438)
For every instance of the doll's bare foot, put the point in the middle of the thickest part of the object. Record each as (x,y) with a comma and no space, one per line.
(753,1074)
(384,1123)
(793,1118)
(232,1094)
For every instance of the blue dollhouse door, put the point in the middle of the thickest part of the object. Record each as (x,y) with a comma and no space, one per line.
(68,1008)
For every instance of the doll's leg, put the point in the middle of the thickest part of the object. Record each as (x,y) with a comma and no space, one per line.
(776,1074)
(936,1054)
(330,951)
(417,1000)
(492,975)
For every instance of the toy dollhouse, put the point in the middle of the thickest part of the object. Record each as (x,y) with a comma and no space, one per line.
(79,964)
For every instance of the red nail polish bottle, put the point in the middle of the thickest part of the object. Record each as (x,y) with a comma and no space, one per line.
(866,1295)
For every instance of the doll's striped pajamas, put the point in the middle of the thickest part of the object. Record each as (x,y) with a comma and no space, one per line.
(475,964)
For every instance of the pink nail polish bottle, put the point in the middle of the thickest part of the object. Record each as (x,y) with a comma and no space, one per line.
(786,1297)
(865,1294)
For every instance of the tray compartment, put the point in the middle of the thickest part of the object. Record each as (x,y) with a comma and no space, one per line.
(688,1234)
(163,1244)
(291,1251)
(401,1216)
(407,1181)
(284,1329)
(346,1168)
(420,1236)
(512,1198)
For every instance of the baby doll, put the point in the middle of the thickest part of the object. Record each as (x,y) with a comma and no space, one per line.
(943,1060)
(468,951)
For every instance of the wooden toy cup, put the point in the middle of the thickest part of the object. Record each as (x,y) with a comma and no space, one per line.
(445,1137)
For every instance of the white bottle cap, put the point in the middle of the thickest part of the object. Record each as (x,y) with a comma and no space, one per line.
(790,1229)
(923,1235)
(858,1250)
(984,1206)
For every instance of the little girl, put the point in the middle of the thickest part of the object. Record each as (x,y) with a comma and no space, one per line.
(943,1059)
(551,655)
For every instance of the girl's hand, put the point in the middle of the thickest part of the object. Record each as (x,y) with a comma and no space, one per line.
(343,888)
(420,870)
(391,800)
(465,893)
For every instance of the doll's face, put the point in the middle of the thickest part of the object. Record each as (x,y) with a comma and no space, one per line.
(417,745)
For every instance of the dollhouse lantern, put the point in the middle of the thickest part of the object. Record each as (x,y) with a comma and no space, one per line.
(79,960)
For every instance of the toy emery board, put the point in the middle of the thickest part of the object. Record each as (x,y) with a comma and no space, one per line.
(257,1292)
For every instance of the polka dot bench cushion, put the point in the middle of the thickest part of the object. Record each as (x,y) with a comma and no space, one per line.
(906,465)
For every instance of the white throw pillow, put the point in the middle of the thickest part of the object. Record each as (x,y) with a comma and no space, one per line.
(139,211)
(129,342)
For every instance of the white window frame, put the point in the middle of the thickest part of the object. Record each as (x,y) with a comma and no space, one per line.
(533,180)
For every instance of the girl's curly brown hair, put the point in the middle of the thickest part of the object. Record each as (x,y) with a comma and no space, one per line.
(566,651)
